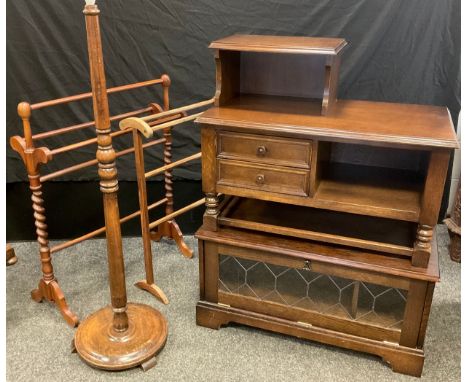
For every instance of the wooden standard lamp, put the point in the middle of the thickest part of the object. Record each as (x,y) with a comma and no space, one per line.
(122,335)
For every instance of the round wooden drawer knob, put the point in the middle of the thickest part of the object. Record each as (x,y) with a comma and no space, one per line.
(260,179)
(261,151)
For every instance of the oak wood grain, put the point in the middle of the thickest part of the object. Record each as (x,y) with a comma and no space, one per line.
(385,235)
(264,149)
(401,359)
(296,314)
(304,249)
(283,44)
(377,123)
(332,269)
(263,178)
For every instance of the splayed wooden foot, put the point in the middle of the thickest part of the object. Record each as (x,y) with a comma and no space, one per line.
(10,255)
(154,290)
(51,291)
(171,230)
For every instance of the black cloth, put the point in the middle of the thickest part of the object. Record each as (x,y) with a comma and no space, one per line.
(399,51)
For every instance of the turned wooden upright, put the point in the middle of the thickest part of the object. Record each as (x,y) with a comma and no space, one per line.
(123,335)
(107,172)
(163,120)
(169,229)
(33,157)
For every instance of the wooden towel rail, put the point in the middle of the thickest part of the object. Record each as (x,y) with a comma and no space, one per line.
(166,225)
(93,162)
(35,157)
(117,89)
(147,129)
(181,211)
(69,129)
(172,165)
(101,230)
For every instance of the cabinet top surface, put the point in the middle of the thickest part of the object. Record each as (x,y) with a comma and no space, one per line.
(281,44)
(381,123)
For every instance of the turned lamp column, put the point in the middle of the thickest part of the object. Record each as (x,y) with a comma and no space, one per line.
(107,171)
(122,336)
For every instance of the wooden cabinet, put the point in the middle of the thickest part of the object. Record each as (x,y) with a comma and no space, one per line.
(282,156)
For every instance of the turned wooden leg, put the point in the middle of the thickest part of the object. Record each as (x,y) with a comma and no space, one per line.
(10,255)
(153,289)
(211,212)
(48,288)
(147,365)
(430,205)
(422,246)
(170,229)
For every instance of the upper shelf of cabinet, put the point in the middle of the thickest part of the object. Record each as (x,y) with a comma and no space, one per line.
(282,66)
(281,44)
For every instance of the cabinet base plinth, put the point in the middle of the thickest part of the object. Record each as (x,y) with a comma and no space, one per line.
(401,359)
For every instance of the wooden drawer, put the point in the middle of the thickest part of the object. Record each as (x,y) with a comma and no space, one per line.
(262,178)
(262,149)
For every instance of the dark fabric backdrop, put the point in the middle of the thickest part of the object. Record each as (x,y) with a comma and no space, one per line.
(399,51)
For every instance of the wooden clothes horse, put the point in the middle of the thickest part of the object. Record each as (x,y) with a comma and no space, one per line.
(166,225)
(35,158)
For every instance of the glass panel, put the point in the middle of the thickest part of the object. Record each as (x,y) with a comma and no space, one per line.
(331,295)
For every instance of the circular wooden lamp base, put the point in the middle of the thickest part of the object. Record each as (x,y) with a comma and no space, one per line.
(100,346)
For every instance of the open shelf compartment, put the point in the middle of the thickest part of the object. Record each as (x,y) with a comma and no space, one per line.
(370,181)
(278,66)
(369,190)
(372,233)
